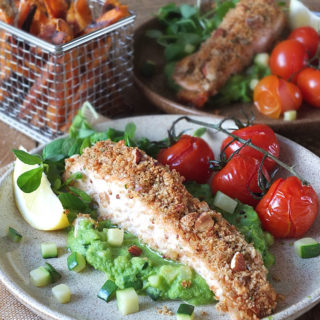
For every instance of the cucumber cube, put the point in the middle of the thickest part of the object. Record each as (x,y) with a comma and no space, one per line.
(224,202)
(76,262)
(185,273)
(14,235)
(185,312)
(262,59)
(40,277)
(154,280)
(307,248)
(107,291)
(127,300)
(169,273)
(290,115)
(153,293)
(54,274)
(115,237)
(49,250)
(62,293)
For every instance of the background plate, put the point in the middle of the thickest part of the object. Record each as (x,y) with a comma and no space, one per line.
(298,279)
(157,91)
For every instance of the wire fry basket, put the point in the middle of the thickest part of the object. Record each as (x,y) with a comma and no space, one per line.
(42,86)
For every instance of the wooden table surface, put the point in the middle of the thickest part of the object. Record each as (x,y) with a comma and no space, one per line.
(11,138)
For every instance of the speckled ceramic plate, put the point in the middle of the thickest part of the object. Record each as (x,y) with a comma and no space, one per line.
(298,280)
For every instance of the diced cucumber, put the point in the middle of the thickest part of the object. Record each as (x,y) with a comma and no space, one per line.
(115,237)
(253,83)
(132,283)
(262,59)
(49,250)
(169,273)
(153,293)
(307,248)
(76,262)
(54,274)
(14,235)
(40,277)
(185,312)
(290,115)
(224,202)
(189,48)
(107,291)
(268,237)
(185,273)
(62,293)
(127,300)
(154,280)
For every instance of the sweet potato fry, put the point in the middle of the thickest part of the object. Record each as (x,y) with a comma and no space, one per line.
(79,15)
(57,31)
(7,11)
(109,17)
(56,8)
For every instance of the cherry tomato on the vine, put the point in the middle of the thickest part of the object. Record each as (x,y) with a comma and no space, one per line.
(288,58)
(289,208)
(309,38)
(273,96)
(309,83)
(239,178)
(260,135)
(190,156)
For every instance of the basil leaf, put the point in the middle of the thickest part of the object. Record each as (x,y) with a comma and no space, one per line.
(84,196)
(71,202)
(129,134)
(30,180)
(85,143)
(27,158)
(54,150)
(153,33)
(74,176)
(188,11)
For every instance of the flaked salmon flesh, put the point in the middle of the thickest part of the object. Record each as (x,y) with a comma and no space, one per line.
(149,200)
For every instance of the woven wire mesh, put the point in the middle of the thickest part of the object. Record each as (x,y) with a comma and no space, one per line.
(42,89)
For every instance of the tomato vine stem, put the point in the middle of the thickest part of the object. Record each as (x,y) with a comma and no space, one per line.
(248,142)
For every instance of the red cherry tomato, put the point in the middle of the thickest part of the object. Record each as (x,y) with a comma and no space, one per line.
(309,38)
(272,96)
(190,156)
(261,136)
(288,209)
(287,59)
(238,178)
(309,83)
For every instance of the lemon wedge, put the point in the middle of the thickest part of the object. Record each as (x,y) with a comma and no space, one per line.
(301,16)
(41,208)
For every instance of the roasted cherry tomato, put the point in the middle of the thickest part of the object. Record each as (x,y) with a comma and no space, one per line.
(289,208)
(309,38)
(287,59)
(273,96)
(309,83)
(239,178)
(260,135)
(190,156)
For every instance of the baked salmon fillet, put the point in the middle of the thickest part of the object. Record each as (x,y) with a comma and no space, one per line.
(251,27)
(149,200)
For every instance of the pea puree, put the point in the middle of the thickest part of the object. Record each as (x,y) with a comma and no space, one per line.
(148,273)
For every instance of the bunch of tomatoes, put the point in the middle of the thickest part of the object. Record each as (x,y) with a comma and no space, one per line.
(294,64)
(287,209)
